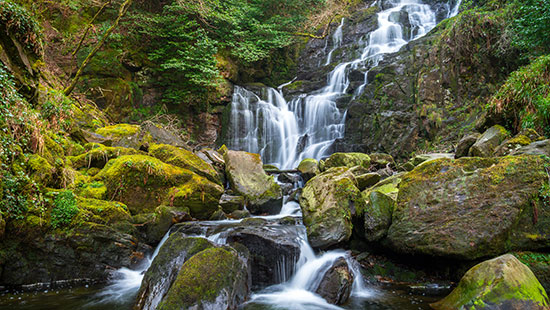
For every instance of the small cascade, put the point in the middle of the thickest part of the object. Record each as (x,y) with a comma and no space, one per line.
(286,131)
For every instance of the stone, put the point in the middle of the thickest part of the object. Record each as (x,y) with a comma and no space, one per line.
(539,263)
(165,268)
(471,207)
(486,145)
(367,180)
(418,159)
(230,203)
(248,179)
(328,202)
(308,167)
(336,285)
(347,160)
(510,145)
(500,283)
(215,278)
(185,159)
(535,148)
(198,195)
(464,145)
(382,160)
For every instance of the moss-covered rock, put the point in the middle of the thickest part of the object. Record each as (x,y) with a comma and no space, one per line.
(94,190)
(185,159)
(99,155)
(486,145)
(102,212)
(198,195)
(510,145)
(248,178)
(118,131)
(141,182)
(535,148)
(381,160)
(328,203)
(309,168)
(367,180)
(40,169)
(215,278)
(471,207)
(539,263)
(500,283)
(463,146)
(347,160)
(165,268)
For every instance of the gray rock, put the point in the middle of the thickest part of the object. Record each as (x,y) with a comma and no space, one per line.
(464,145)
(486,145)
(336,285)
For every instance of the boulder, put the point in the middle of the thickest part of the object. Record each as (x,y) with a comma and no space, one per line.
(248,178)
(155,225)
(231,203)
(309,168)
(99,155)
(500,283)
(216,278)
(198,195)
(347,160)
(336,285)
(381,160)
(510,145)
(418,159)
(367,180)
(184,159)
(165,268)
(328,202)
(464,145)
(486,145)
(535,148)
(539,263)
(118,131)
(471,207)
(150,133)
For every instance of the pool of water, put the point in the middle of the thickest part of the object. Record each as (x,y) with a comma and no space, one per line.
(86,298)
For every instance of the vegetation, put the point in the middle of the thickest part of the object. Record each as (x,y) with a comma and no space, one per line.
(532,25)
(65,208)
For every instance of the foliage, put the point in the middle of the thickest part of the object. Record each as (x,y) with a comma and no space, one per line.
(65,208)
(21,24)
(524,100)
(187,35)
(532,25)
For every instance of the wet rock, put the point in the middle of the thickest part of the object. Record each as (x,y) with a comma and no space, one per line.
(328,202)
(272,252)
(471,207)
(464,145)
(247,178)
(218,215)
(419,159)
(336,285)
(230,203)
(486,145)
(500,283)
(239,214)
(198,195)
(382,160)
(165,268)
(216,278)
(155,225)
(308,167)
(347,160)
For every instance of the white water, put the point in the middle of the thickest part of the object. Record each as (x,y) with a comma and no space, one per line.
(306,126)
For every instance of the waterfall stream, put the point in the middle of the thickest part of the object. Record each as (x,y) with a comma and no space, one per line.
(286,131)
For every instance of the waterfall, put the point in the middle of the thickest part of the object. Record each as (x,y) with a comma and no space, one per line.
(286,131)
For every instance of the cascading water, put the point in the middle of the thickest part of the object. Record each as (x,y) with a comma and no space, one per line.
(306,126)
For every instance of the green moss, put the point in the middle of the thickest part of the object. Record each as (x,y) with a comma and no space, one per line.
(140,181)
(348,160)
(198,195)
(185,159)
(99,155)
(202,278)
(40,170)
(101,211)
(118,131)
(95,190)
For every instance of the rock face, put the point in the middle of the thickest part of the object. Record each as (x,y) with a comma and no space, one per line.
(486,145)
(216,278)
(471,207)
(247,178)
(165,268)
(328,203)
(336,285)
(500,283)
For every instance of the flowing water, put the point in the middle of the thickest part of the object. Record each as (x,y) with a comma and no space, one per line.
(284,132)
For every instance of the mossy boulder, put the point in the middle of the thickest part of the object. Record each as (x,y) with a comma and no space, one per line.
(198,195)
(463,146)
(94,190)
(99,155)
(102,212)
(141,182)
(510,145)
(335,287)
(328,202)
(118,131)
(367,180)
(347,160)
(381,160)
(153,226)
(185,159)
(248,178)
(500,283)
(535,148)
(309,168)
(40,169)
(215,278)
(471,207)
(165,268)
(539,263)
(486,145)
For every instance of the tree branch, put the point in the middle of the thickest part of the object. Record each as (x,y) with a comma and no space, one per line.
(90,25)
